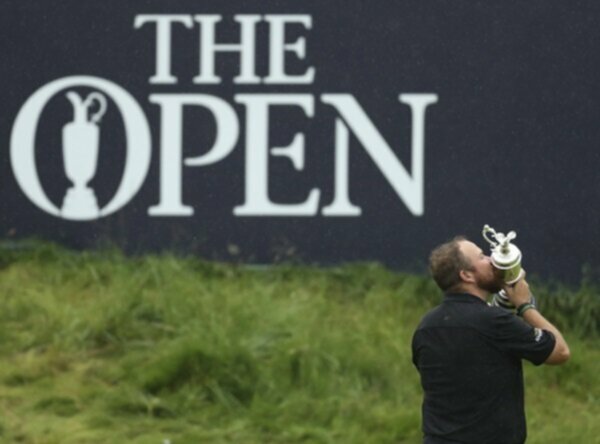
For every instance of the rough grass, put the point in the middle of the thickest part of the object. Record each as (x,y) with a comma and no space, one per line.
(100,348)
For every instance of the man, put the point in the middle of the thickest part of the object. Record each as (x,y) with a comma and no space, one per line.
(469,354)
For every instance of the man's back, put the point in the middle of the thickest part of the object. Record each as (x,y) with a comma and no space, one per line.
(469,357)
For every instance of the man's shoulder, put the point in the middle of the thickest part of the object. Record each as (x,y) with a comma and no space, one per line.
(465,315)
(431,317)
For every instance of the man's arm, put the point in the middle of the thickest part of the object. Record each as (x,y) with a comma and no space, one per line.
(519,294)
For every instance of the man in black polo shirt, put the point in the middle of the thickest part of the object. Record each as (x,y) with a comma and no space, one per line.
(469,354)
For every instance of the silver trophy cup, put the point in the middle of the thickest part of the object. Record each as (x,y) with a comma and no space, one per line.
(506,258)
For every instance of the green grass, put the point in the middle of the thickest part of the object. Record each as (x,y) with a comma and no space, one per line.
(100,348)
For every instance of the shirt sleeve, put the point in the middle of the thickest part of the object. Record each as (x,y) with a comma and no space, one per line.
(516,337)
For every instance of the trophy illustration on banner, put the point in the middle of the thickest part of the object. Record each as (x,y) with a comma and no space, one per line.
(80,139)
(506,258)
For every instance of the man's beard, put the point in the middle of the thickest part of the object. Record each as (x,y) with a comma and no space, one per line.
(493,284)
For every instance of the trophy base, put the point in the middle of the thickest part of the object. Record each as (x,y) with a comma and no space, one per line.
(80,204)
(501,300)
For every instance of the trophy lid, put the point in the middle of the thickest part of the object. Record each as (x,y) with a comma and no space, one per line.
(507,258)
(504,254)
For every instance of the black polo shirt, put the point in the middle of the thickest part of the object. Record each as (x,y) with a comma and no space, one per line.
(469,357)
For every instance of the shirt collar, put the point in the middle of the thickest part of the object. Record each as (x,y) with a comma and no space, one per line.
(463,297)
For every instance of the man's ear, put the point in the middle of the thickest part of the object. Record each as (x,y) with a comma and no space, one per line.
(466,276)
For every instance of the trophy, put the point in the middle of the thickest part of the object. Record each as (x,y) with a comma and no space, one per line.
(80,156)
(506,258)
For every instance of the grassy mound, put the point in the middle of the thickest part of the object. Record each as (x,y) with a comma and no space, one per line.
(100,348)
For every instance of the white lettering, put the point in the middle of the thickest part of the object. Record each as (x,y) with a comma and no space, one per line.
(227,131)
(408,188)
(257,201)
(137,132)
(278,48)
(163,42)
(341,205)
(208,48)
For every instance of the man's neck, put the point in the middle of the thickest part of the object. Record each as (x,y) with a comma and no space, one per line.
(474,290)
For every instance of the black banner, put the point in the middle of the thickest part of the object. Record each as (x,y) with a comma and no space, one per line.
(319,131)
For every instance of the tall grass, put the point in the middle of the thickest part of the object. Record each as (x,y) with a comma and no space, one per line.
(100,348)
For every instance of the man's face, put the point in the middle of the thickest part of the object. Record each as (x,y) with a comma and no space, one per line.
(486,276)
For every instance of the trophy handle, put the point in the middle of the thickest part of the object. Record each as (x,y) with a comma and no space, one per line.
(487,229)
(95,118)
(510,236)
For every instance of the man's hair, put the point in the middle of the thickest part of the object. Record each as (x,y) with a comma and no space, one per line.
(445,263)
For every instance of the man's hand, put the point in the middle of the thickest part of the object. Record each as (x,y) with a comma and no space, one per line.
(518,294)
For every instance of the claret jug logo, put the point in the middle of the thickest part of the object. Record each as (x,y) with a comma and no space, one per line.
(82,134)
(80,155)
(80,146)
